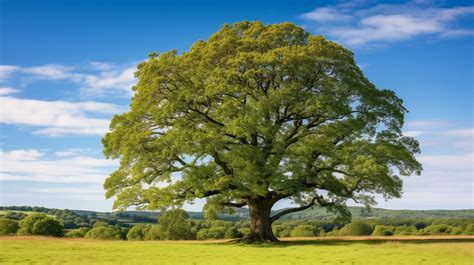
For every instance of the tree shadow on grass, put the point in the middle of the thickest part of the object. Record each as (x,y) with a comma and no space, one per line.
(342,242)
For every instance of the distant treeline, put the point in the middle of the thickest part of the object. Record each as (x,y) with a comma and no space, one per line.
(178,225)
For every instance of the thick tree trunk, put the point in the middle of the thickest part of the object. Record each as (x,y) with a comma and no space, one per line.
(260,222)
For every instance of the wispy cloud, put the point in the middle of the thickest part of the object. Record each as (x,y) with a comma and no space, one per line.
(72,152)
(57,118)
(356,25)
(8,91)
(465,132)
(94,79)
(428,124)
(89,190)
(34,166)
(441,133)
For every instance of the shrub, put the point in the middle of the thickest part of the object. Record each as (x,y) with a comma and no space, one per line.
(303,231)
(153,233)
(383,230)
(40,224)
(406,230)
(356,228)
(48,227)
(26,225)
(80,232)
(437,229)
(175,226)
(469,230)
(104,232)
(100,224)
(233,232)
(456,230)
(216,232)
(137,232)
(244,230)
(8,227)
(202,234)
(15,215)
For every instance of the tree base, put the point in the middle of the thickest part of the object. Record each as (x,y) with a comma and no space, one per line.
(255,238)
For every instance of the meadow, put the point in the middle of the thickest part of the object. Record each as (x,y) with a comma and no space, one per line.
(345,250)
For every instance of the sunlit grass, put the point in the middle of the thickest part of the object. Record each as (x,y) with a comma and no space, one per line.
(41,250)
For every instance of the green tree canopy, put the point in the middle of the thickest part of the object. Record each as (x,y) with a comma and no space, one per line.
(253,115)
(48,227)
(8,227)
(40,224)
(27,223)
(175,226)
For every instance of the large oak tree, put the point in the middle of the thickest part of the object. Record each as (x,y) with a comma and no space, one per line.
(256,114)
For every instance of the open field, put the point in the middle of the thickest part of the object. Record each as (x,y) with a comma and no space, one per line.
(4,212)
(352,250)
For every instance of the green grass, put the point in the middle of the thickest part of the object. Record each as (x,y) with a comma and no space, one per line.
(40,250)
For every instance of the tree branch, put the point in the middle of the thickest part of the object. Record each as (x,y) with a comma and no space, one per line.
(292,210)
(234,204)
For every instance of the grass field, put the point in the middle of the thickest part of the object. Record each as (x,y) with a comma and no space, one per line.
(25,212)
(402,250)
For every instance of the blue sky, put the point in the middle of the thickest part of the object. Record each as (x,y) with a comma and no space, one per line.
(67,66)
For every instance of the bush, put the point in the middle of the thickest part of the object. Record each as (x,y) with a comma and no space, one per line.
(80,232)
(244,230)
(15,215)
(233,232)
(383,230)
(456,230)
(8,227)
(26,225)
(404,230)
(137,232)
(104,232)
(437,229)
(175,226)
(469,230)
(153,233)
(356,228)
(100,224)
(303,231)
(40,224)
(48,227)
(216,232)
(202,234)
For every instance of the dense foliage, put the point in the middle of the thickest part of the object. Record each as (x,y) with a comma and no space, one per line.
(8,226)
(40,224)
(253,115)
(175,225)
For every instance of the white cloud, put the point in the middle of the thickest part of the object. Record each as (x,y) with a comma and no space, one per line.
(466,132)
(6,70)
(38,168)
(101,66)
(428,124)
(7,91)
(108,82)
(358,25)
(71,152)
(57,118)
(326,14)
(413,133)
(96,79)
(52,72)
(448,163)
(21,154)
(90,190)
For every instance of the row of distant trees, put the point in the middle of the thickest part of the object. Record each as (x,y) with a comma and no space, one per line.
(71,219)
(176,225)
